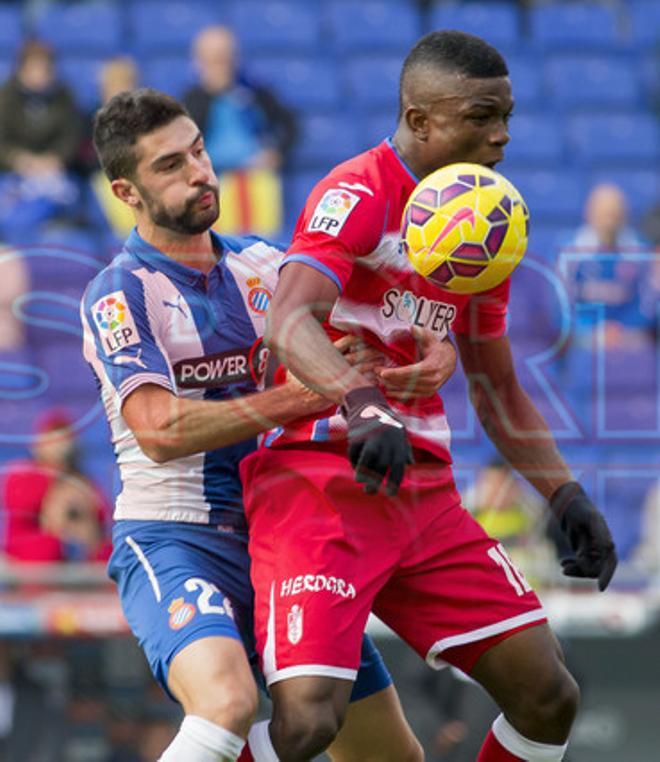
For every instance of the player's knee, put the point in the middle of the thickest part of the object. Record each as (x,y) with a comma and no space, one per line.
(555,699)
(233,707)
(305,731)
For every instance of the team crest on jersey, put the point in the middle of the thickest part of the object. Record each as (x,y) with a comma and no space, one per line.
(115,323)
(259,299)
(332,211)
(294,624)
(180,613)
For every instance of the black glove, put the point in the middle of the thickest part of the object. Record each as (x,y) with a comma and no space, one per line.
(587,533)
(377,440)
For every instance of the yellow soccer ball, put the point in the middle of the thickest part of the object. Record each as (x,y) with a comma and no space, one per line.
(465,228)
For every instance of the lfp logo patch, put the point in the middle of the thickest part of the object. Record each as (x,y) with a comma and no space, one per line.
(115,323)
(180,613)
(332,211)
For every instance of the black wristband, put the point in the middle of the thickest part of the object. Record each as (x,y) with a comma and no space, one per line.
(364,395)
(563,496)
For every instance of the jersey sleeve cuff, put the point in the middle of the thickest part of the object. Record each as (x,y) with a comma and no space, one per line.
(307,260)
(139,379)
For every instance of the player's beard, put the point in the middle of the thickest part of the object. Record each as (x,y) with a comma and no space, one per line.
(188,220)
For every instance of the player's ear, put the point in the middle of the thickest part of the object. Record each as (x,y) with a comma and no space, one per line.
(417,120)
(125,191)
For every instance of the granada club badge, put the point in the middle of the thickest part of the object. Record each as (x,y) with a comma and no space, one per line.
(180,613)
(294,622)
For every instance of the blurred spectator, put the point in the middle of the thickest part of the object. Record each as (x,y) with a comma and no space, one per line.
(513,513)
(117,75)
(14,282)
(52,511)
(647,554)
(248,133)
(605,265)
(39,139)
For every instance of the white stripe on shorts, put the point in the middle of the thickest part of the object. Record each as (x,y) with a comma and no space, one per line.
(311,670)
(434,659)
(270,662)
(147,566)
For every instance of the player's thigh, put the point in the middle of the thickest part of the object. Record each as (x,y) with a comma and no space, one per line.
(528,663)
(212,678)
(376,730)
(175,594)
(313,563)
(457,589)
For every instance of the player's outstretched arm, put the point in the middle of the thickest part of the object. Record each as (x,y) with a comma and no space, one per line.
(521,434)
(378,444)
(168,427)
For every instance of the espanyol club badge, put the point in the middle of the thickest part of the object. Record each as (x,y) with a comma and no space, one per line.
(180,613)
(294,621)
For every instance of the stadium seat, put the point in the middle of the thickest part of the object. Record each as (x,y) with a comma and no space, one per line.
(497,21)
(629,417)
(11,29)
(171,74)
(536,139)
(644,18)
(297,186)
(616,365)
(620,495)
(282,25)
(82,75)
(20,378)
(526,80)
(325,140)
(587,81)
(368,25)
(303,82)
(69,376)
(372,82)
(376,127)
(168,27)
(574,25)
(556,194)
(90,28)
(620,138)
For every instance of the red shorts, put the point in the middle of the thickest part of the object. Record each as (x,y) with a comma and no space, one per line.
(324,555)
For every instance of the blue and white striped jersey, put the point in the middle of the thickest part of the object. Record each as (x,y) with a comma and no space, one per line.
(148,319)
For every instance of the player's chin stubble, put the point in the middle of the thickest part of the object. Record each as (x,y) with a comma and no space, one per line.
(188,221)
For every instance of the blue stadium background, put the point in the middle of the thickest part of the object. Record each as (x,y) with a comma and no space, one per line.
(587,87)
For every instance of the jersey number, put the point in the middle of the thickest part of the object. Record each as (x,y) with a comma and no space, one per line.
(513,575)
(208,589)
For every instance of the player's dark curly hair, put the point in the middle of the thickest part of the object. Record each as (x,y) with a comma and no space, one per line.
(457,52)
(123,120)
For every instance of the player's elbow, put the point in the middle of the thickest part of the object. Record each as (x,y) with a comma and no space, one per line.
(158,441)
(156,451)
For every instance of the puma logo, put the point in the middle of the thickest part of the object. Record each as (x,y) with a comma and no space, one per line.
(371,411)
(126,359)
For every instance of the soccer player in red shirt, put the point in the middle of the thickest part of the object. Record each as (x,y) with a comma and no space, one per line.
(324,553)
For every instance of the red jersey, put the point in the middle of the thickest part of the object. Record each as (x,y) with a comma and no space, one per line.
(350,231)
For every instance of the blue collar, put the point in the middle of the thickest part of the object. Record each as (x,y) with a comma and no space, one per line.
(153,257)
(401,161)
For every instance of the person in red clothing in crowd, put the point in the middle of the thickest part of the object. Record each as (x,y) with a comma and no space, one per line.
(53,512)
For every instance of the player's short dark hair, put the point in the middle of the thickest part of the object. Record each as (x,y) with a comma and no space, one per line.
(126,118)
(456,52)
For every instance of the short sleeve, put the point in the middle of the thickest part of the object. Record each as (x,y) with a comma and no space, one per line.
(343,219)
(485,315)
(118,334)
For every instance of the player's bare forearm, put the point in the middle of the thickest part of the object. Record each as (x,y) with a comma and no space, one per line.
(509,416)
(302,300)
(168,427)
